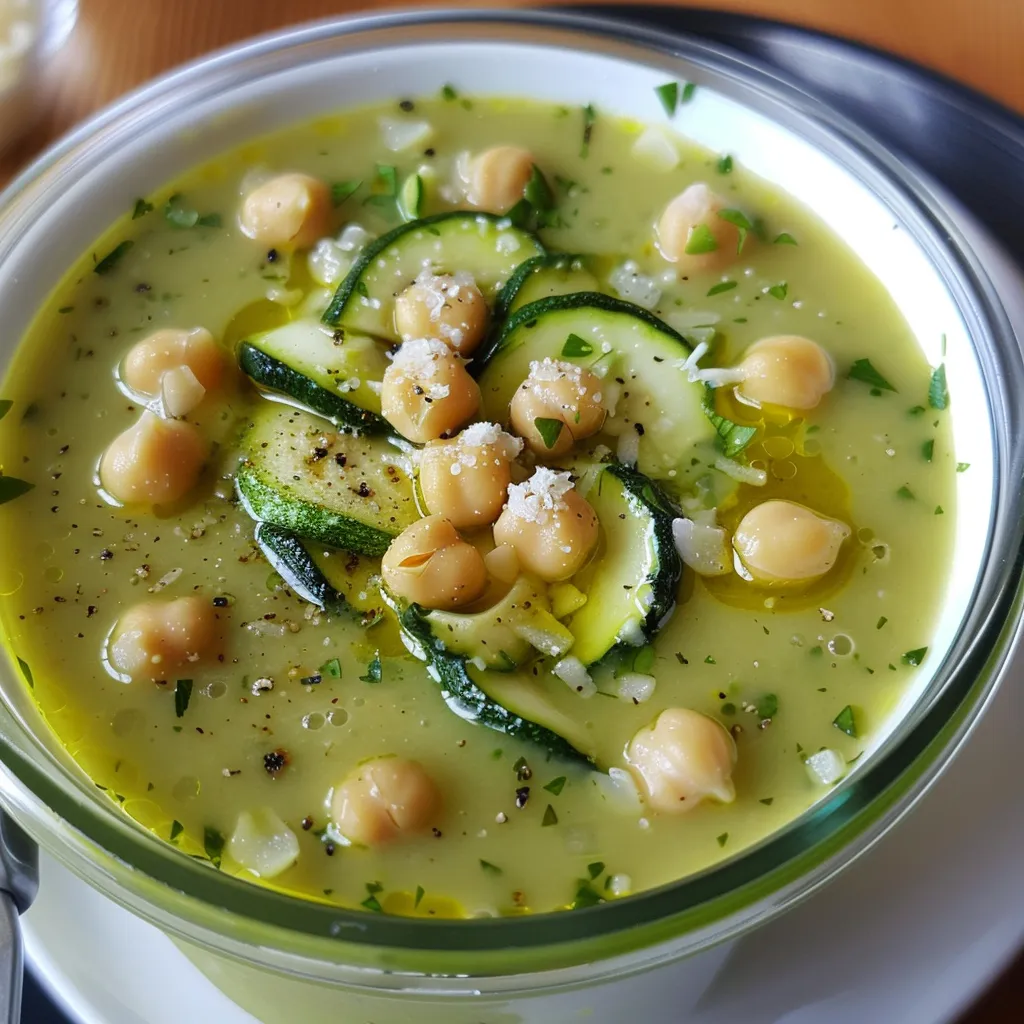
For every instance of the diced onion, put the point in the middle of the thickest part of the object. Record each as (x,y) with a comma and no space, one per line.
(619,788)
(744,474)
(400,135)
(826,766)
(657,150)
(263,843)
(636,687)
(547,641)
(574,674)
(702,546)
(633,286)
(628,448)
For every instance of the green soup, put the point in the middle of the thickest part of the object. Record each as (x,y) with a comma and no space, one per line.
(291,698)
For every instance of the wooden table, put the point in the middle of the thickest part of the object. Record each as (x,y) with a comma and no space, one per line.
(120,43)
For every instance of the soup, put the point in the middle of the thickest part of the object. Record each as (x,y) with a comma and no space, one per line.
(470,506)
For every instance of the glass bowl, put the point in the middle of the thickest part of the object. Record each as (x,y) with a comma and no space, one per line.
(282,957)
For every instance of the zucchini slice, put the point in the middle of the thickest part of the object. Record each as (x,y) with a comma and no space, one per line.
(328,371)
(631,584)
(540,277)
(307,577)
(486,246)
(513,703)
(302,475)
(632,349)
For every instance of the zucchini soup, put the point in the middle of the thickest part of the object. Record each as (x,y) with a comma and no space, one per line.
(471,507)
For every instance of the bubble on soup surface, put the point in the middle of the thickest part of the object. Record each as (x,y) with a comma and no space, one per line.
(314,720)
(338,716)
(215,689)
(11,581)
(841,645)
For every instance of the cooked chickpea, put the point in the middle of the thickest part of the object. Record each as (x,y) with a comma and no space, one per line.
(497,178)
(427,392)
(787,370)
(385,799)
(552,528)
(430,564)
(167,349)
(557,391)
(290,211)
(466,479)
(690,224)
(782,542)
(681,759)
(154,462)
(157,637)
(448,307)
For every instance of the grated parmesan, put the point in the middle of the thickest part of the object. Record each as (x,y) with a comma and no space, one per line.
(419,360)
(633,286)
(536,499)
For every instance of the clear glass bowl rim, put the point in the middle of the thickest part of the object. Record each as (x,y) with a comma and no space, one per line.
(791,862)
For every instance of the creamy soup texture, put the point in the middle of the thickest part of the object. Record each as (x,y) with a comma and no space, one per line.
(753,536)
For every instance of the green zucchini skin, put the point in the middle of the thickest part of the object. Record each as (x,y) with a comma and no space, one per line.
(556,261)
(464,696)
(274,375)
(335,313)
(287,555)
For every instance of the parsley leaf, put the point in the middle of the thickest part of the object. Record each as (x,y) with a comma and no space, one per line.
(928,450)
(11,487)
(549,430)
(687,94)
(420,893)
(111,260)
(784,239)
(176,829)
(182,695)
(724,165)
(906,493)
(556,785)
(938,393)
(331,668)
(742,223)
(700,241)
(342,190)
(141,209)
(768,706)
(734,436)
(722,286)
(448,92)
(26,671)
(576,346)
(5,406)
(491,869)
(669,96)
(589,119)
(595,870)
(374,673)
(914,658)
(863,371)
(213,844)
(537,191)
(962,467)
(586,896)
(722,839)
(846,722)
(550,818)
(779,291)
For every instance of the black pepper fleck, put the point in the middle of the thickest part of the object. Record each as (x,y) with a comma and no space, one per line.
(522,795)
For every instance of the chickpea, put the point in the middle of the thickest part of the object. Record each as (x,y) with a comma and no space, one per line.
(557,391)
(681,759)
(691,219)
(448,307)
(787,370)
(154,462)
(291,211)
(168,349)
(497,178)
(782,542)
(551,527)
(157,637)
(385,799)
(466,479)
(430,564)
(427,392)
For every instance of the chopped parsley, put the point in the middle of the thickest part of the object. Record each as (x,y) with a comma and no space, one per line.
(768,706)
(179,216)
(742,223)
(938,393)
(700,241)
(576,346)
(595,870)
(26,671)
(491,869)
(213,844)
(182,695)
(779,291)
(589,118)
(556,786)
(710,661)
(881,622)
(734,436)
(550,818)
(373,671)
(420,893)
(767,801)
(669,96)
(331,668)
(549,430)
(939,511)
(916,410)
(342,190)
(372,903)
(784,239)
(724,165)
(722,839)
(915,657)
(962,467)
(906,493)
(448,92)
(689,88)
(586,896)
(111,260)
(863,371)
(846,722)
(928,450)
(537,191)
(176,829)
(722,286)
(11,487)
(141,209)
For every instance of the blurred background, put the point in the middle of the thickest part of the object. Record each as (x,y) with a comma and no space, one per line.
(61,60)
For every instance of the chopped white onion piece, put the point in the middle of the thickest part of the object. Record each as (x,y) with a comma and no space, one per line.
(328,262)
(263,843)
(353,238)
(657,150)
(636,687)
(619,885)
(400,135)
(702,546)
(618,787)
(574,674)
(284,296)
(554,645)
(180,391)
(826,766)
(744,474)
(633,286)
(628,448)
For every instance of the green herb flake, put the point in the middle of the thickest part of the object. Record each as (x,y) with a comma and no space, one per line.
(575,346)
(681,658)
(722,839)
(213,844)
(724,165)
(372,903)
(916,410)
(11,487)
(556,786)
(784,239)
(589,119)
(66,309)
(939,511)
(914,658)
(722,286)
(362,289)
(669,96)
(342,190)
(881,622)
(374,887)
(768,706)
(176,829)
(182,695)
(905,493)
(779,291)
(420,893)
(179,216)
(550,818)
(938,393)
(586,896)
(141,209)
(728,708)
(373,671)
(817,651)
(687,92)
(448,92)
(331,668)
(549,430)
(767,801)
(386,180)
(863,371)
(846,722)
(537,191)
(710,661)
(491,869)
(742,223)
(700,241)
(26,671)
(928,450)
(962,467)
(595,870)
(734,437)
(111,260)
(210,220)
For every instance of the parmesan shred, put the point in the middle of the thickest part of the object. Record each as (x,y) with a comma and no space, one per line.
(419,360)
(536,499)
(487,440)
(702,546)
(628,448)
(744,474)
(633,286)
(715,376)
(574,674)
